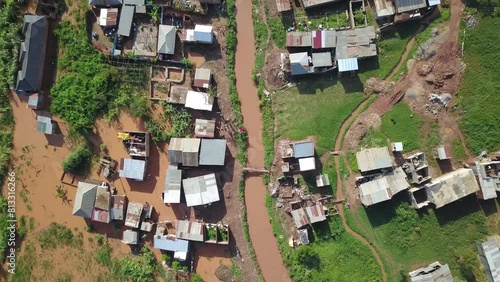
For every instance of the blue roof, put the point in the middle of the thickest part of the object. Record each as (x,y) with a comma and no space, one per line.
(303,149)
(178,245)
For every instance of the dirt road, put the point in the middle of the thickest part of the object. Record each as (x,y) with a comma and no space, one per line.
(263,240)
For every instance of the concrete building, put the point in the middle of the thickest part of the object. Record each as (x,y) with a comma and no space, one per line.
(489,255)
(202,190)
(435,272)
(373,159)
(488,176)
(383,188)
(417,168)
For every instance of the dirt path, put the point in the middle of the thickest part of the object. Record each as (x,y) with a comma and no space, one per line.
(340,192)
(261,234)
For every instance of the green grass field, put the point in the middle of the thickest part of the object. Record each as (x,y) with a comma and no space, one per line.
(400,124)
(478,96)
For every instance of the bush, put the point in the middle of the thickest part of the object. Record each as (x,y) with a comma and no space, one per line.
(196,278)
(79,161)
(307,256)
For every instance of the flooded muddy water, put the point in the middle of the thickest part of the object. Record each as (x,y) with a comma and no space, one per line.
(263,240)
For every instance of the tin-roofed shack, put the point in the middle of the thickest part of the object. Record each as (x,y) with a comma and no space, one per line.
(130,237)
(199,101)
(184,151)
(489,255)
(213,152)
(101,211)
(316,213)
(190,230)
(383,188)
(170,243)
(173,180)
(202,78)
(356,43)
(201,190)
(118,207)
(132,169)
(298,39)
(300,218)
(133,217)
(322,39)
(373,159)
(204,128)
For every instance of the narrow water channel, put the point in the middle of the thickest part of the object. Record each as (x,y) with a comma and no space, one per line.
(261,234)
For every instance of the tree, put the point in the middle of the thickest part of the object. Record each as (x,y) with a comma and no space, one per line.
(79,161)
(308,257)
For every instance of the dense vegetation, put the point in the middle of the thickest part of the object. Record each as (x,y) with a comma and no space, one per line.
(79,161)
(478,96)
(172,123)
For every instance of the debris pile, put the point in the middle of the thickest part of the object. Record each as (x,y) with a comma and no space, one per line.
(375,85)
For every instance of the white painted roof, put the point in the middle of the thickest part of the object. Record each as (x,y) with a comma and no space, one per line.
(199,101)
(350,64)
(307,164)
(201,190)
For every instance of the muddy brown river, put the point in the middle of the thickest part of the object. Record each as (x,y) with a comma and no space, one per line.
(261,234)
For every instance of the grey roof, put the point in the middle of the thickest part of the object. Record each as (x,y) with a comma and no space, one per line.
(175,151)
(189,230)
(32,53)
(451,187)
(118,206)
(356,43)
(383,188)
(300,218)
(172,193)
(435,272)
(298,39)
(322,180)
(489,255)
(409,5)
(202,78)
(166,39)
(384,8)
(177,94)
(140,9)
(316,213)
(213,152)
(303,149)
(350,64)
(283,5)
(489,183)
(133,216)
(126,19)
(373,158)
(130,237)
(201,190)
(133,2)
(133,169)
(190,151)
(105,2)
(44,125)
(84,199)
(324,39)
(299,63)
(204,128)
(314,3)
(323,59)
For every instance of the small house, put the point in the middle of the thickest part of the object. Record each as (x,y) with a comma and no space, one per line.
(84,199)
(199,101)
(322,60)
(441,153)
(213,152)
(101,211)
(134,2)
(133,217)
(204,128)
(45,125)
(108,17)
(373,159)
(322,180)
(175,151)
(170,243)
(300,218)
(166,39)
(126,20)
(118,207)
(130,237)
(133,169)
(303,149)
(190,230)
(203,34)
(307,164)
(202,78)
(173,180)
(299,63)
(383,188)
(316,213)
(324,39)
(488,176)
(184,151)
(136,143)
(489,256)
(35,101)
(435,272)
(348,65)
(32,53)
(298,39)
(201,190)
(397,147)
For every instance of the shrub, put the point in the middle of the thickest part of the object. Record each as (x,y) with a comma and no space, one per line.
(79,161)
(307,256)
(188,63)
(196,278)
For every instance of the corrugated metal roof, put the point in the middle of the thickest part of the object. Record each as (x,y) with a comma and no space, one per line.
(324,39)
(316,213)
(356,43)
(175,151)
(213,152)
(409,5)
(323,59)
(201,190)
(435,272)
(303,149)
(100,215)
(189,230)
(166,39)
(133,2)
(373,158)
(298,39)
(347,64)
(203,34)
(283,5)
(314,3)
(397,146)
(202,78)
(172,244)
(322,180)
(451,187)
(32,53)
(375,191)
(384,8)
(126,19)
(487,183)
(434,2)
(119,203)
(173,180)
(130,237)
(190,151)
(306,164)
(133,216)
(35,101)
(300,218)
(84,199)
(102,199)
(199,101)
(204,128)
(133,169)
(490,259)
(108,17)
(44,125)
